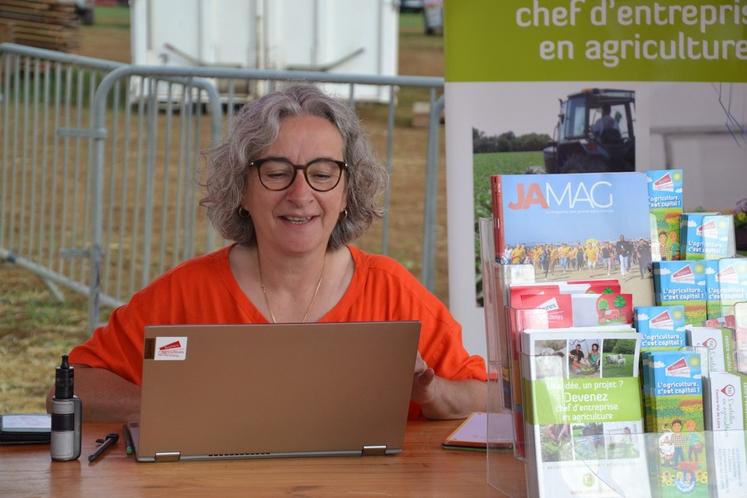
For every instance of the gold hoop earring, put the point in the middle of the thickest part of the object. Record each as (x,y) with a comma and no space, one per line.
(243,213)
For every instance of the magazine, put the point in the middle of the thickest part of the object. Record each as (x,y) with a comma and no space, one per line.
(594,226)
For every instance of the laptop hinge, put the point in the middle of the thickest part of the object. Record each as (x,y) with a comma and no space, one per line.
(168,456)
(373,450)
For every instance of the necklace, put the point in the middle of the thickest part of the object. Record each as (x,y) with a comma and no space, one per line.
(267,300)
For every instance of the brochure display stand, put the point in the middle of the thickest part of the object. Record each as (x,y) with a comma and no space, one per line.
(579,426)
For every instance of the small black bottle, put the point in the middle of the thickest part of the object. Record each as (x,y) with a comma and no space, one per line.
(66,433)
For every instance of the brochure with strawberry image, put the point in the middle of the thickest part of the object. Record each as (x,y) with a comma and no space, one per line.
(602,286)
(665,204)
(614,308)
(683,283)
(723,321)
(577,303)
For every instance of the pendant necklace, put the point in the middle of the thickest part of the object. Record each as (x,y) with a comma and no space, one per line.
(267,300)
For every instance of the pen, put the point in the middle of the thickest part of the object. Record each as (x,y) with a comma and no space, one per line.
(108,440)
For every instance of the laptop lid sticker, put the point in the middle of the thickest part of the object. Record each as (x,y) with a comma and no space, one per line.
(170,348)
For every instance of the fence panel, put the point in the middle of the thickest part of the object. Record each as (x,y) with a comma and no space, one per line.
(45,196)
(146,178)
(103,228)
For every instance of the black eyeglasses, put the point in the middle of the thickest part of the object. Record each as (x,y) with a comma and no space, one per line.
(278,173)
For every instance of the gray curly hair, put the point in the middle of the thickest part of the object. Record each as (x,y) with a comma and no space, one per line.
(255,128)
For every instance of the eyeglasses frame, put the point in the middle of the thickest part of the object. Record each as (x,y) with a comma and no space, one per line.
(257,163)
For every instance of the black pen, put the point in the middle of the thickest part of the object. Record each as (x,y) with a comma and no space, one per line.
(107,441)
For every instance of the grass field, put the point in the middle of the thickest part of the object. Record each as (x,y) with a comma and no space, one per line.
(497,163)
(611,371)
(35,329)
(483,166)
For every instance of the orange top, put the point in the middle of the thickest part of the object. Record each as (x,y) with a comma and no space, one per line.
(204,290)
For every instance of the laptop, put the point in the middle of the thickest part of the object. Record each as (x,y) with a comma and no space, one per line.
(274,390)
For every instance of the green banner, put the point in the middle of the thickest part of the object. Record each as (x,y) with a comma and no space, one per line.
(583,401)
(596,40)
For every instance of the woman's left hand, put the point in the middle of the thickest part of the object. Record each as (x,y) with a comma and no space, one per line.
(423,382)
(441,398)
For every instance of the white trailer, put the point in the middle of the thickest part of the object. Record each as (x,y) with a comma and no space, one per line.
(335,36)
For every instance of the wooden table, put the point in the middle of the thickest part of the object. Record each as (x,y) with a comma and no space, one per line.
(423,469)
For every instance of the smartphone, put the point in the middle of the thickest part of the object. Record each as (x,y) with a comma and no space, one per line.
(25,428)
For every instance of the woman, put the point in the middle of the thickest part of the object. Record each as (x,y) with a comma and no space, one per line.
(594,356)
(294,183)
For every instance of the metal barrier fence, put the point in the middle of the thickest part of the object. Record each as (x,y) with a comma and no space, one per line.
(99,164)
